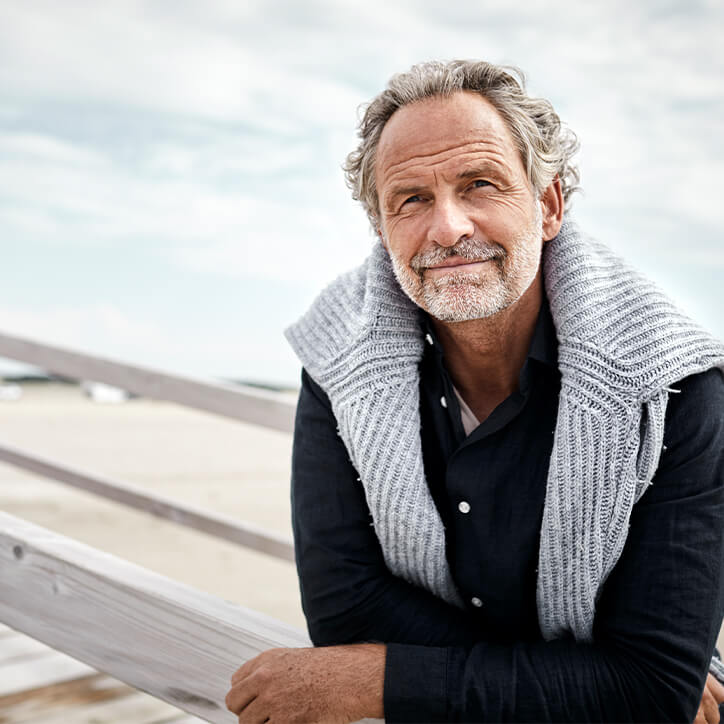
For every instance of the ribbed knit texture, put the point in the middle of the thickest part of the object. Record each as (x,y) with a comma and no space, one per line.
(717,668)
(622,344)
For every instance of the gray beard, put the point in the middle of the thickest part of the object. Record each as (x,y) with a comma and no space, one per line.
(461,296)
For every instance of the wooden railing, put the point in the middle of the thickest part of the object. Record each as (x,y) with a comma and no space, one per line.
(233,401)
(174,642)
(165,638)
(242,533)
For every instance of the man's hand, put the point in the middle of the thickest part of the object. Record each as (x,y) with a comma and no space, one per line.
(709,708)
(329,684)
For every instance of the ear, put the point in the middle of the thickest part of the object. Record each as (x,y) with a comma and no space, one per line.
(382,238)
(552,206)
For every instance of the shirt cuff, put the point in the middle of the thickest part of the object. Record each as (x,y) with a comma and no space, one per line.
(415,683)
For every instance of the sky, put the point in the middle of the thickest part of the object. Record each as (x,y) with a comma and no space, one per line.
(171,191)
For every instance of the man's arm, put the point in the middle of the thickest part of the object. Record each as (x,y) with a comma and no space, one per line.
(656,620)
(348,594)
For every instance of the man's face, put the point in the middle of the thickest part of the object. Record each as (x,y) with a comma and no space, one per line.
(458,217)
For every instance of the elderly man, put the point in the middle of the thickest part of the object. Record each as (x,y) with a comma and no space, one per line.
(508,473)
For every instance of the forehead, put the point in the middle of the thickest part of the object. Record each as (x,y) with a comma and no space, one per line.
(437,129)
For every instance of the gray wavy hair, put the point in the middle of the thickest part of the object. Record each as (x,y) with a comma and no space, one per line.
(545,145)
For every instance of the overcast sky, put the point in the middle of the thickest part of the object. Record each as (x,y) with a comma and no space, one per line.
(170,183)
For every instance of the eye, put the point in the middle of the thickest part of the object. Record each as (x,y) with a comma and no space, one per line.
(480,183)
(412,199)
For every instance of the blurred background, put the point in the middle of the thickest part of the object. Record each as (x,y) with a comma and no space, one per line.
(171,195)
(170,182)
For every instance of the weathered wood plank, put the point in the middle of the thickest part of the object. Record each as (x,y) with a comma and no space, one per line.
(220,526)
(157,635)
(240,403)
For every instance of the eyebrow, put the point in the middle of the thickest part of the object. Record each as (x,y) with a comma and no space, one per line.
(485,169)
(396,191)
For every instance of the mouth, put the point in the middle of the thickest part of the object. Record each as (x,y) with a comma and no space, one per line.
(457,264)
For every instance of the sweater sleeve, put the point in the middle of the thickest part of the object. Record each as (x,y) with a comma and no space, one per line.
(657,617)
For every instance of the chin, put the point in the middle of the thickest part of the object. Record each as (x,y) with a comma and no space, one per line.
(464,303)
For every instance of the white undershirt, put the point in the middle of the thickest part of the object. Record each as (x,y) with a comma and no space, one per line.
(470,422)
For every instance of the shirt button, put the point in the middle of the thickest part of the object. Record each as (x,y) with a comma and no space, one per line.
(443,401)
(464,506)
(428,339)
(476,602)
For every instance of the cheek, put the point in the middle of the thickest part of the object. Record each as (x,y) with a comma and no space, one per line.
(402,239)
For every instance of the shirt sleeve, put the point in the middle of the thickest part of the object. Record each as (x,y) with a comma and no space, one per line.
(348,593)
(656,620)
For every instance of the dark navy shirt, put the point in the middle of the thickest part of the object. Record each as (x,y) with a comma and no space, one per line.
(658,613)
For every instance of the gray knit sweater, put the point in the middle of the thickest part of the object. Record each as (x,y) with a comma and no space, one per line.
(622,344)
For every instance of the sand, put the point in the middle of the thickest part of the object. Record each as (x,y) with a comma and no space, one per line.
(225,466)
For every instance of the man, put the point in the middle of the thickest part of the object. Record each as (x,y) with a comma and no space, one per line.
(508,467)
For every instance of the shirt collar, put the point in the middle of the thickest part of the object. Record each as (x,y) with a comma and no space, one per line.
(544,345)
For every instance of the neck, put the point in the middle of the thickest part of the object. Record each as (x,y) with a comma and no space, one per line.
(484,356)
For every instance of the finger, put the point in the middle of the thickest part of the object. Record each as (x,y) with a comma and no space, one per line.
(254,713)
(710,707)
(240,695)
(716,688)
(700,718)
(245,669)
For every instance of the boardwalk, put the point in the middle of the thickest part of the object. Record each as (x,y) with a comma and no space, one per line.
(39,684)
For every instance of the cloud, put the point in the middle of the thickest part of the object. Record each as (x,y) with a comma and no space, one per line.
(25,145)
(100,328)
(105,330)
(276,241)
(230,204)
(208,137)
(129,54)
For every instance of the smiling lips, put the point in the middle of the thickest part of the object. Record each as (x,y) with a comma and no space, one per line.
(456,262)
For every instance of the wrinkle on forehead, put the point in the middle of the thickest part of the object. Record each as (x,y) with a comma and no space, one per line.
(434,131)
(475,154)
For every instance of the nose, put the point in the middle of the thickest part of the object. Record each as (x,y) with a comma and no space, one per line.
(449,223)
